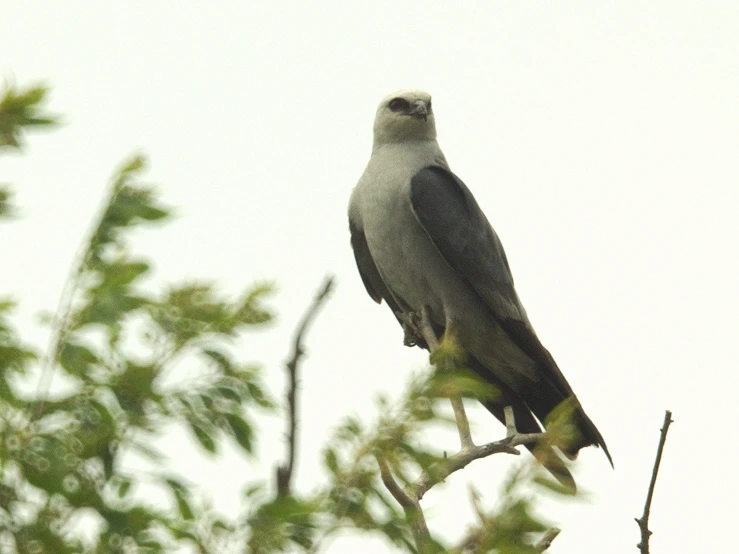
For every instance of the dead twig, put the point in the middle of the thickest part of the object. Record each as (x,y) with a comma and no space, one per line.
(285,471)
(643,521)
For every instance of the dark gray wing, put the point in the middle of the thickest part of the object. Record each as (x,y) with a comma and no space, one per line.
(456,225)
(371,278)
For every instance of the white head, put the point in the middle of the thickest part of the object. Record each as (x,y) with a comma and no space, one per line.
(405,115)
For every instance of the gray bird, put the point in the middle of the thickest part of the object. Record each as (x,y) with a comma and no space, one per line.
(421,242)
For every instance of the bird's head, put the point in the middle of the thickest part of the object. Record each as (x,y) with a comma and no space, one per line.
(405,115)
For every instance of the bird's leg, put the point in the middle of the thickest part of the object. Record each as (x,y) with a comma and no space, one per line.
(463,424)
(427,330)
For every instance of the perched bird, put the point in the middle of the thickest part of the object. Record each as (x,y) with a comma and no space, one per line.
(421,242)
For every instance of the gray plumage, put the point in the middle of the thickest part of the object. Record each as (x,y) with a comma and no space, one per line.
(420,240)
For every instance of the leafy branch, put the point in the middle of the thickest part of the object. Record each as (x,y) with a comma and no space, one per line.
(22,108)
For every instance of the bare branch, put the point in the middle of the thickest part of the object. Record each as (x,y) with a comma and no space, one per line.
(643,522)
(440,471)
(392,486)
(285,471)
(411,506)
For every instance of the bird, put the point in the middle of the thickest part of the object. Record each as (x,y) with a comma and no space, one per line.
(421,242)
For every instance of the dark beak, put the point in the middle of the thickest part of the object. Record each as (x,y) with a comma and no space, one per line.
(419,110)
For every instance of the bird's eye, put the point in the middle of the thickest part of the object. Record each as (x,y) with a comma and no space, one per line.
(428,106)
(397,104)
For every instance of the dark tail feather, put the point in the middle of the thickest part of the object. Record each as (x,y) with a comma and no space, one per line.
(545,400)
(525,423)
(546,395)
(590,433)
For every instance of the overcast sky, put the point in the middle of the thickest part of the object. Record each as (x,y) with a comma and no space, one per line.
(601,139)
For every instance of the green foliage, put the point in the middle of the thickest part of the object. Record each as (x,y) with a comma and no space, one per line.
(511,527)
(121,350)
(20,109)
(6,208)
(62,457)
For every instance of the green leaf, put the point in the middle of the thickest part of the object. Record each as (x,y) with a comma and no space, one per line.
(124,485)
(228,392)
(555,486)
(96,428)
(242,432)
(221,360)
(561,427)
(134,387)
(134,165)
(181,495)
(46,461)
(204,435)
(21,108)
(122,272)
(107,306)
(148,451)
(6,208)
(258,395)
(76,359)
(331,460)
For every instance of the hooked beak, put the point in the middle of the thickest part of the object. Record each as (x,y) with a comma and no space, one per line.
(419,110)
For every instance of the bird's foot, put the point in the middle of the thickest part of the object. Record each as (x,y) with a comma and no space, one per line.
(412,334)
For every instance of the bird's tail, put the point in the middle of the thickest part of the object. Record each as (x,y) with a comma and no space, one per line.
(525,423)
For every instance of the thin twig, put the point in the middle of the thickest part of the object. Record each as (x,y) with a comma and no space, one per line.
(285,471)
(643,522)
(63,313)
(411,506)
(443,469)
(392,486)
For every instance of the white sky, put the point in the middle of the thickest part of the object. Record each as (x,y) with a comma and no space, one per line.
(601,139)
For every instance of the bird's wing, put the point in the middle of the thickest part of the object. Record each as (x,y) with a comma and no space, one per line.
(371,278)
(456,225)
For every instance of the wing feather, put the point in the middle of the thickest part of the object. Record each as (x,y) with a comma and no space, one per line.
(373,282)
(450,215)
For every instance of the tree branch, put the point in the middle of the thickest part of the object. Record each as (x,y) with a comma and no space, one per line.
(643,522)
(411,506)
(419,327)
(439,472)
(285,471)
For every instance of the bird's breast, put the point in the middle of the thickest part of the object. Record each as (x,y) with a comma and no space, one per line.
(409,263)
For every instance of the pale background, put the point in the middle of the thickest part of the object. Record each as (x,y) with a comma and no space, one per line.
(601,139)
